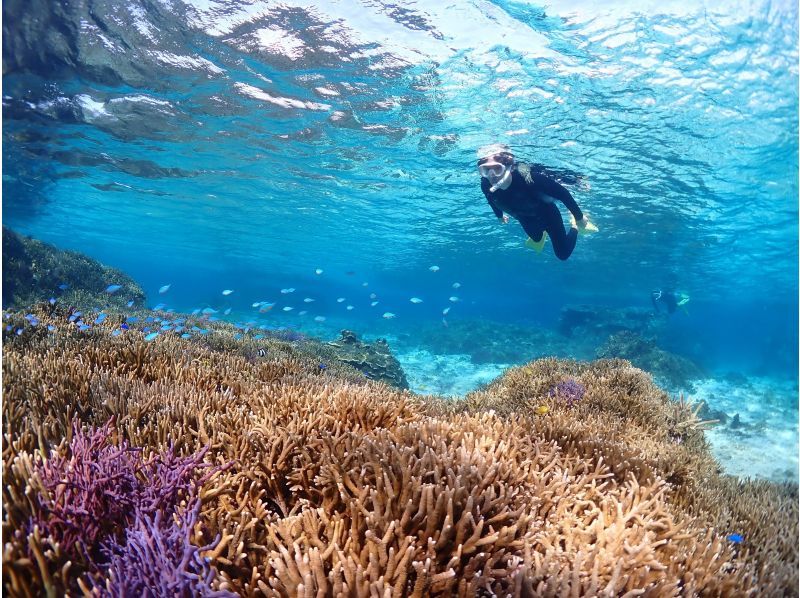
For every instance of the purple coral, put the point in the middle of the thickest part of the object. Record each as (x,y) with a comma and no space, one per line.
(158,559)
(98,489)
(569,391)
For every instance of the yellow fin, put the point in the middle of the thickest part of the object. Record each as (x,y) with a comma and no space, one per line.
(588,227)
(536,245)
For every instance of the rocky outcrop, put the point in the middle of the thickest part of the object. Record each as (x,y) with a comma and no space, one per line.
(590,321)
(671,369)
(375,359)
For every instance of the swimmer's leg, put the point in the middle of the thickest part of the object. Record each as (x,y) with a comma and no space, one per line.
(563,241)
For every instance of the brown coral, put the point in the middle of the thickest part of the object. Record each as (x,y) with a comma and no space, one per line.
(340,486)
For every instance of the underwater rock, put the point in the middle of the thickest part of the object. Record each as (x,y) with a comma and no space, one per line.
(590,321)
(34,271)
(675,371)
(375,360)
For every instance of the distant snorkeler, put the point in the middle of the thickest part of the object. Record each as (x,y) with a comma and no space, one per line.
(671,300)
(528,193)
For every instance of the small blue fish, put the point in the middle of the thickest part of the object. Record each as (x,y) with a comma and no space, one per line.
(146,329)
(113,288)
(30,317)
(195,311)
(83,327)
(132,320)
(204,331)
(196,328)
(209,310)
(227,312)
(151,336)
(186,335)
(164,289)
(33,321)
(116,333)
(78,313)
(227,292)
(52,300)
(8,328)
(150,319)
(736,538)
(50,327)
(100,318)
(258,337)
(178,329)
(73,317)
(18,331)
(213,319)
(166,327)
(129,304)
(124,326)
(322,366)
(160,306)
(237,337)
(63,287)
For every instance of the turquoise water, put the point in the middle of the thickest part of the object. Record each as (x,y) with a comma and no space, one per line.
(217,145)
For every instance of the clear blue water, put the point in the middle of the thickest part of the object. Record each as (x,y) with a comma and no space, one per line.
(223,145)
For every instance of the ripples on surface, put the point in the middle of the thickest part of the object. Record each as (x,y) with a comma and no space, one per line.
(268,139)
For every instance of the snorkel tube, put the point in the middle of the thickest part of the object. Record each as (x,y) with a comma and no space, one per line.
(506,177)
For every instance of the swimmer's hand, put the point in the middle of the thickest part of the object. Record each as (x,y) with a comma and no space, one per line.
(503,219)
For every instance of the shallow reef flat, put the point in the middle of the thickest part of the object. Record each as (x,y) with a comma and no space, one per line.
(756,434)
(242,467)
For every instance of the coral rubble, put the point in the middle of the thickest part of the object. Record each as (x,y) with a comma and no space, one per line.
(315,482)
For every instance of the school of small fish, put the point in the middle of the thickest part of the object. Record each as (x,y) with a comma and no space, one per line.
(156,326)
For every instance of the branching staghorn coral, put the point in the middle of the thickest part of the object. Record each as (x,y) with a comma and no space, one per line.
(85,494)
(157,558)
(338,486)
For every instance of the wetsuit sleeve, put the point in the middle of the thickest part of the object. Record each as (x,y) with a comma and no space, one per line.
(549,187)
(485,188)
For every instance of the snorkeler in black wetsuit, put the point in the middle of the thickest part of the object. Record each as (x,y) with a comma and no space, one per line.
(670,299)
(514,188)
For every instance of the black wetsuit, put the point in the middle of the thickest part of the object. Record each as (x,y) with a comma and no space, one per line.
(533,205)
(668,298)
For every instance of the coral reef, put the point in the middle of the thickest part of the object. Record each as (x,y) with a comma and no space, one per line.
(487,341)
(598,323)
(324,485)
(35,271)
(375,359)
(672,370)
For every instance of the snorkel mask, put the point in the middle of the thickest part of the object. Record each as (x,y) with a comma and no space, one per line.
(495,163)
